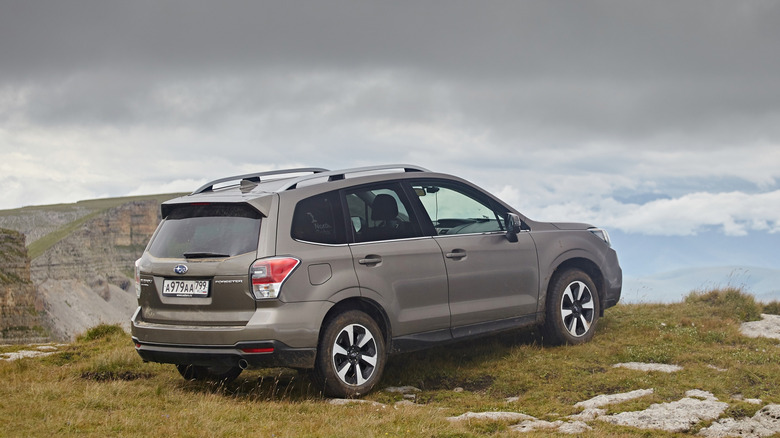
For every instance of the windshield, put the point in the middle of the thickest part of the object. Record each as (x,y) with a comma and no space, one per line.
(211,230)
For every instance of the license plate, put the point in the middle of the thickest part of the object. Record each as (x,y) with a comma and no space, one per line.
(185,288)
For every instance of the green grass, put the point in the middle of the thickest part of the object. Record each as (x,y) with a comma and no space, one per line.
(98,386)
(96,207)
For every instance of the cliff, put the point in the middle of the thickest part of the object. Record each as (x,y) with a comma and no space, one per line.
(87,277)
(19,318)
(81,273)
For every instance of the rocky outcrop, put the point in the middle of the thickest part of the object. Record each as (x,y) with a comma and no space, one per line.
(87,278)
(103,251)
(19,303)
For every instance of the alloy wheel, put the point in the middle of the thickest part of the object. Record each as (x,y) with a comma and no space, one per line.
(577,309)
(355,354)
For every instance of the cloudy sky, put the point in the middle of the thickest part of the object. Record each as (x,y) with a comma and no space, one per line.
(650,118)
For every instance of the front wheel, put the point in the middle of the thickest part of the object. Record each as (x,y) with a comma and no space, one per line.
(572,308)
(350,356)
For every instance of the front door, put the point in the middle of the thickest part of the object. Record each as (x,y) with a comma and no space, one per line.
(492,281)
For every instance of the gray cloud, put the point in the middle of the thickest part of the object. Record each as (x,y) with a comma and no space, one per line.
(546,102)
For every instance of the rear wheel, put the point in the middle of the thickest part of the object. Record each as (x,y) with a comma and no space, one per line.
(351,355)
(572,308)
(214,374)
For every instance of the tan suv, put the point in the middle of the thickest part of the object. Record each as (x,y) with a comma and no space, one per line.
(334,270)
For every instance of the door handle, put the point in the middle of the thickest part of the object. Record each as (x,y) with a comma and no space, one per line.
(370,260)
(456,254)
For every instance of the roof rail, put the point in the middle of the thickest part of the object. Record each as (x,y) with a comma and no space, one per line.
(335,175)
(255,177)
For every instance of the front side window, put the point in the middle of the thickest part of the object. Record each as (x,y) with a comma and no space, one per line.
(207,230)
(381,213)
(453,209)
(319,219)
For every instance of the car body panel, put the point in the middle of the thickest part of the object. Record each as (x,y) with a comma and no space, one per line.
(422,291)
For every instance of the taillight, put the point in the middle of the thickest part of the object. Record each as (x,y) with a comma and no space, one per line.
(268,275)
(137,279)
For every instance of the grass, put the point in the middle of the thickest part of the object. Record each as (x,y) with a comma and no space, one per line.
(98,386)
(96,207)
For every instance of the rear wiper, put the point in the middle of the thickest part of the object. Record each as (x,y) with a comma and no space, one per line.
(204,255)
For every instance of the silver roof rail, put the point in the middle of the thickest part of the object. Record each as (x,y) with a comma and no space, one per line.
(255,177)
(335,175)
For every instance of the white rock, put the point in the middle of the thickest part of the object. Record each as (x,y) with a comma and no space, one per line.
(494,416)
(21,354)
(403,389)
(532,425)
(603,400)
(574,428)
(589,414)
(768,327)
(676,416)
(639,366)
(349,401)
(765,422)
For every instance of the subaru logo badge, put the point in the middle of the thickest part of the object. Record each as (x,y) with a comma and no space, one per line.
(180,269)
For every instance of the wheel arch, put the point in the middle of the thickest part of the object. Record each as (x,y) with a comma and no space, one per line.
(367,306)
(586,265)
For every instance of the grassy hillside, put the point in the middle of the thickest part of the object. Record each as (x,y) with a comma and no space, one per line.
(62,219)
(98,386)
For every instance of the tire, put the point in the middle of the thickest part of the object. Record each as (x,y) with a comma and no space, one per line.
(572,309)
(350,356)
(213,374)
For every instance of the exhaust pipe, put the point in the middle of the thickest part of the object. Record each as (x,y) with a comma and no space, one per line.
(243,364)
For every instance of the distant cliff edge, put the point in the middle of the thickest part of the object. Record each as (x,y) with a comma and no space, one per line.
(81,273)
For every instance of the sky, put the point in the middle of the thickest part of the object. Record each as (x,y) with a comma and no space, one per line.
(653,119)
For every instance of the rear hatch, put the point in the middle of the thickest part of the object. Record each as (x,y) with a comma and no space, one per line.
(196,268)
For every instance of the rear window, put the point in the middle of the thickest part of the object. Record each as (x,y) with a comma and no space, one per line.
(211,230)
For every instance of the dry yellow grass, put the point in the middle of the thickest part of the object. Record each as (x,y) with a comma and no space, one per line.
(98,386)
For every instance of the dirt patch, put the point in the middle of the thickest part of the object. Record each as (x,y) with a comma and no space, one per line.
(105,376)
(474,384)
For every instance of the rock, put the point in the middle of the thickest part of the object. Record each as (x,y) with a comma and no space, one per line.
(676,416)
(354,401)
(603,400)
(402,389)
(493,416)
(768,327)
(765,422)
(20,303)
(664,368)
(574,428)
(589,414)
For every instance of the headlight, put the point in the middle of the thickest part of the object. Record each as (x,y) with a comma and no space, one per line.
(601,234)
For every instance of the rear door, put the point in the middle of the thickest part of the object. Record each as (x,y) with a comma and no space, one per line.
(492,281)
(195,270)
(396,264)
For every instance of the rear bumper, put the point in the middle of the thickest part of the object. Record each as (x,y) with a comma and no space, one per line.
(261,354)
(280,334)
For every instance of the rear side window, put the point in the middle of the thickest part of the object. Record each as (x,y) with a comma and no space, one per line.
(210,230)
(319,219)
(381,212)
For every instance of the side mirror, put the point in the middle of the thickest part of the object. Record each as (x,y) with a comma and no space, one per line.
(513,226)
